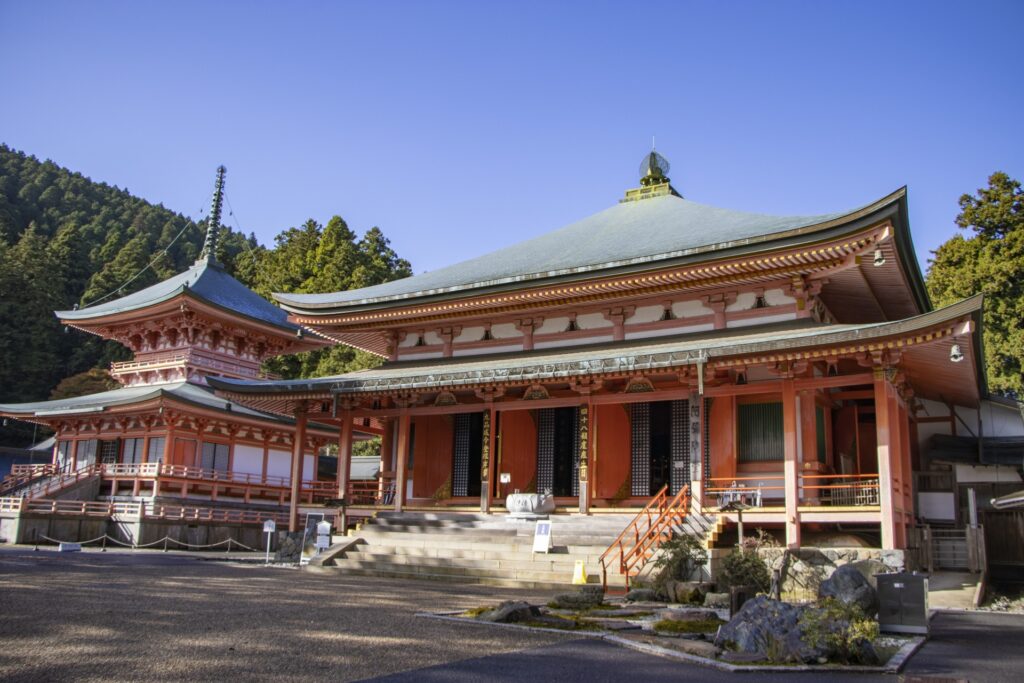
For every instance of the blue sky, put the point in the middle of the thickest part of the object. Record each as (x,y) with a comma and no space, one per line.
(460,127)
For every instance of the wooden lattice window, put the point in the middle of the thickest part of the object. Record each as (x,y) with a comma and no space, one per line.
(760,432)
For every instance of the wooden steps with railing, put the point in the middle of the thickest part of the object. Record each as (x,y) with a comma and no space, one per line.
(657,523)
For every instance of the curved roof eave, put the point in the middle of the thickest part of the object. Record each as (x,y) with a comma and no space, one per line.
(352,300)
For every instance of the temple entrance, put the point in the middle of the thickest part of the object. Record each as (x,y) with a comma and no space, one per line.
(466,458)
(660,447)
(557,451)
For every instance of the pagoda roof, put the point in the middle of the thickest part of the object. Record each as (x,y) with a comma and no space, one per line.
(628,236)
(180,392)
(647,355)
(206,281)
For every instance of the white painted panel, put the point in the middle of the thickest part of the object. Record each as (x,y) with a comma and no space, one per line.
(646,314)
(431,338)
(410,340)
(980,474)
(690,309)
(776,297)
(247,459)
(279,463)
(469,334)
(763,320)
(592,321)
(479,351)
(669,331)
(553,326)
(308,468)
(937,505)
(572,342)
(743,301)
(505,331)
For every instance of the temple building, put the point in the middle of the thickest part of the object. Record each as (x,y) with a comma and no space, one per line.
(164,447)
(701,366)
(660,346)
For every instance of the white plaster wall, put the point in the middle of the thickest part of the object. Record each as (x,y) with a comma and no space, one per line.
(279,464)
(592,321)
(744,301)
(776,297)
(646,314)
(761,320)
(470,334)
(421,356)
(431,338)
(410,340)
(505,331)
(979,474)
(997,420)
(552,344)
(308,467)
(553,326)
(690,309)
(247,459)
(480,351)
(669,331)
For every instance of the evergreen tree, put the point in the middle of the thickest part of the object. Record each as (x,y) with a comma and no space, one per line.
(989,262)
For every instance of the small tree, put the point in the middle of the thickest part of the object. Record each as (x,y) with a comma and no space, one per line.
(679,559)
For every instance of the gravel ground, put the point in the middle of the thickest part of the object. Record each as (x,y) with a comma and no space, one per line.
(148,616)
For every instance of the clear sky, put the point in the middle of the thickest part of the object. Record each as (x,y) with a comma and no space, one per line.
(460,127)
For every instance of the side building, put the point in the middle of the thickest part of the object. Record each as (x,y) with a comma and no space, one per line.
(164,452)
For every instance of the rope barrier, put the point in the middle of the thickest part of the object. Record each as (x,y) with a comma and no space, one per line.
(165,540)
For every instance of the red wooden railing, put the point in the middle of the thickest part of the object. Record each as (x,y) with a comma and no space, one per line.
(642,537)
(140,509)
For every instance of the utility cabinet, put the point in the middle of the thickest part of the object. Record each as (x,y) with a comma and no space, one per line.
(902,603)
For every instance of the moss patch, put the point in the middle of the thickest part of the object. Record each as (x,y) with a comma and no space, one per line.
(477,611)
(689,626)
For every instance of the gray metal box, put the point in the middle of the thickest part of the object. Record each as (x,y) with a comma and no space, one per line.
(902,603)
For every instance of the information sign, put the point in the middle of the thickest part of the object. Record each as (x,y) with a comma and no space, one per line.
(542,536)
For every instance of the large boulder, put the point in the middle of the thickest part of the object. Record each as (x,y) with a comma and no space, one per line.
(510,612)
(587,597)
(870,568)
(849,586)
(717,600)
(780,632)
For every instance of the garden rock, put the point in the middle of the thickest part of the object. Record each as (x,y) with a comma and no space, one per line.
(510,612)
(686,592)
(717,600)
(869,568)
(641,595)
(584,599)
(687,614)
(849,586)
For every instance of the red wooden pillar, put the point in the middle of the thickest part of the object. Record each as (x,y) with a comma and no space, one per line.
(791,463)
(298,447)
(486,454)
(885,474)
(899,475)
(344,453)
(402,458)
(387,451)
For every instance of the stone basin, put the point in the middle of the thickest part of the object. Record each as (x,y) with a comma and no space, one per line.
(529,504)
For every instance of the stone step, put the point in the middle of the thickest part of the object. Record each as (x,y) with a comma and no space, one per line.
(480,546)
(465,580)
(560,558)
(464,573)
(559,562)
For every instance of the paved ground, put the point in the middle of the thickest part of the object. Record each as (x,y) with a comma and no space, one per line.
(123,616)
(952,590)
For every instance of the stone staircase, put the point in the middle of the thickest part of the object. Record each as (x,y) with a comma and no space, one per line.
(480,549)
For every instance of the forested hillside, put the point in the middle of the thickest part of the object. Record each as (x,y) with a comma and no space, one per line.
(65,240)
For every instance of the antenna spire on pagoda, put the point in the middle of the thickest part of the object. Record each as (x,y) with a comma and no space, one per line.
(213,224)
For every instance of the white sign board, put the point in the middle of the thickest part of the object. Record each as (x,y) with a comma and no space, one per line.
(542,536)
(505,477)
(269,526)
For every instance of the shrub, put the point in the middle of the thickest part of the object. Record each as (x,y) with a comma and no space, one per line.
(745,568)
(679,559)
(841,628)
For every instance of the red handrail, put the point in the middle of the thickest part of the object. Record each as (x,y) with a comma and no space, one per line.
(638,542)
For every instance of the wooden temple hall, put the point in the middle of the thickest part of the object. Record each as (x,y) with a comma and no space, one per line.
(659,346)
(658,350)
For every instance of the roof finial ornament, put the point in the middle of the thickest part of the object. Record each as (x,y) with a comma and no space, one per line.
(213,223)
(654,168)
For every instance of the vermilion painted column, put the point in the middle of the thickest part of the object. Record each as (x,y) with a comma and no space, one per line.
(883,437)
(344,453)
(896,468)
(790,464)
(402,458)
(298,446)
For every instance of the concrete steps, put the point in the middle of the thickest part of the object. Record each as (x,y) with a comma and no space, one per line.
(480,549)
